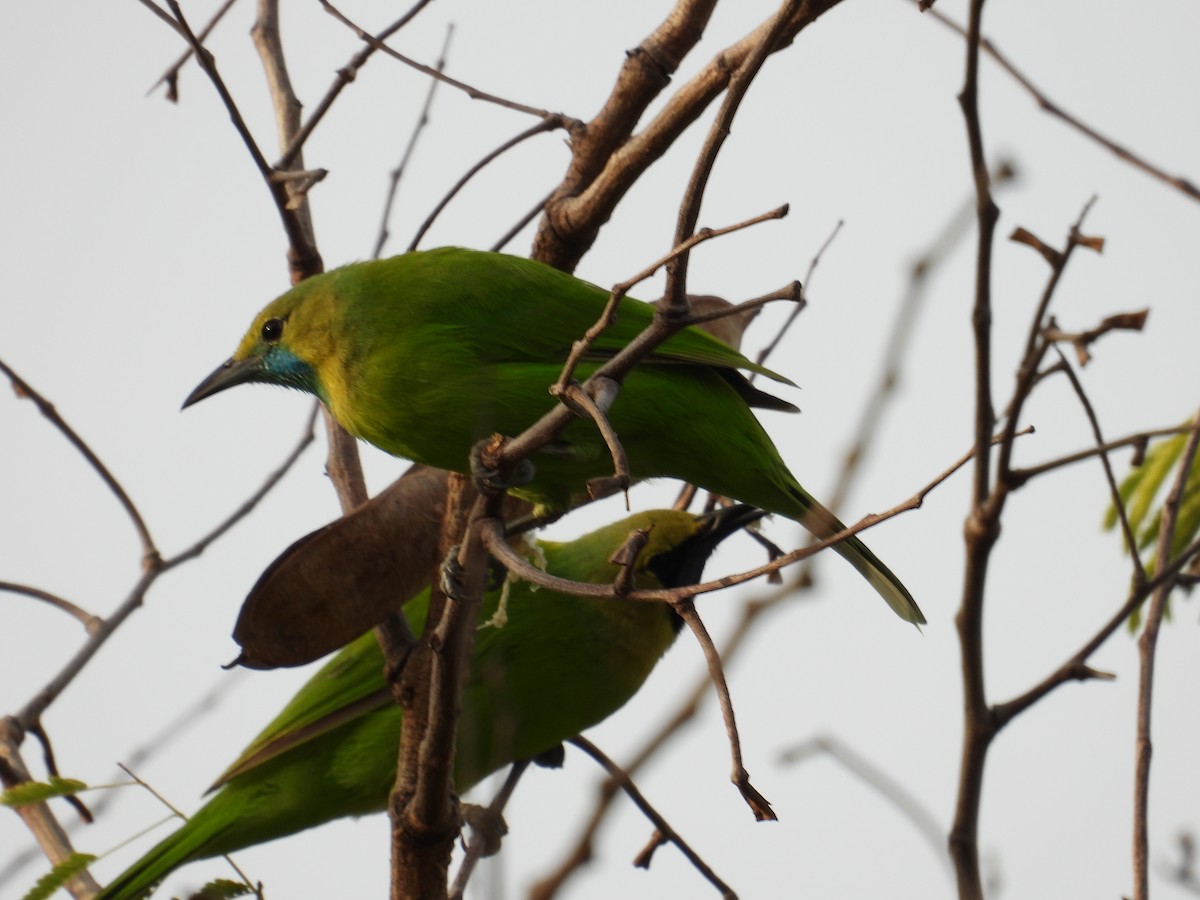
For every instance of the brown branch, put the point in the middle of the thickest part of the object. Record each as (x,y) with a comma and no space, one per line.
(1147,646)
(580,348)
(493,536)
(345,75)
(752,611)
(1183,185)
(23,390)
(89,621)
(423,812)
(38,818)
(1114,492)
(981,528)
(607,159)
(543,126)
(397,173)
(303,257)
(484,843)
(989,499)
(473,92)
(675,294)
(759,805)
(626,784)
(783,329)
(1137,441)
(170,78)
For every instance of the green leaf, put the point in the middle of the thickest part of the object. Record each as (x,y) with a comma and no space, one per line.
(39,791)
(59,875)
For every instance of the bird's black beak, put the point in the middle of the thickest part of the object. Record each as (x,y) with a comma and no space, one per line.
(229,373)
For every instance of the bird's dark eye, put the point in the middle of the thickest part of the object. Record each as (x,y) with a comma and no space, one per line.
(272,330)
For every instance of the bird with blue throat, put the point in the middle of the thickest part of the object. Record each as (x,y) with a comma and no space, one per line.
(427,353)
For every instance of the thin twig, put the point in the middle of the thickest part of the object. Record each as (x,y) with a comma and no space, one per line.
(1147,646)
(543,126)
(759,805)
(345,75)
(473,92)
(89,621)
(626,783)
(621,289)
(1114,492)
(675,294)
(1139,439)
(46,408)
(170,78)
(1183,185)
(480,843)
(180,815)
(502,241)
(494,538)
(397,173)
(33,709)
(1076,668)
(303,256)
(783,329)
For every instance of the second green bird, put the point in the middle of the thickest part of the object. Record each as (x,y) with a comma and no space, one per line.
(427,353)
(560,665)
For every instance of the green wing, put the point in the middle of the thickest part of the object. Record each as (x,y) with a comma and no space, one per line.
(560,306)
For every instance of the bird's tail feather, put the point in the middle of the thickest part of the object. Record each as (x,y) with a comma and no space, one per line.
(173,851)
(823,524)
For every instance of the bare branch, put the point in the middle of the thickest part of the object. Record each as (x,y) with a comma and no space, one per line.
(541,127)
(479,845)
(472,92)
(397,173)
(150,552)
(669,833)
(758,804)
(675,294)
(345,75)
(1147,646)
(170,78)
(303,256)
(1183,185)
(89,621)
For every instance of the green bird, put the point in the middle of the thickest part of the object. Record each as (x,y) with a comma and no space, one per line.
(425,354)
(560,665)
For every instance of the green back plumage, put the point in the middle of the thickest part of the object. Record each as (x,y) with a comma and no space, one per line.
(560,665)
(427,353)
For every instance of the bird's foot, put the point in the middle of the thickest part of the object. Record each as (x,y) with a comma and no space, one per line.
(489,478)
(450,576)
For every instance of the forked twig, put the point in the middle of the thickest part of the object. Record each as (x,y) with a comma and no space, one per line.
(626,784)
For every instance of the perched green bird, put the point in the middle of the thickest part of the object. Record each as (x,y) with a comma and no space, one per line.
(560,665)
(427,353)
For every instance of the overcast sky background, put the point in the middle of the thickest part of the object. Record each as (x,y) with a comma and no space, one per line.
(138,241)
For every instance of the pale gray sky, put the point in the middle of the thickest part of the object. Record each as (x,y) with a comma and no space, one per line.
(138,242)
